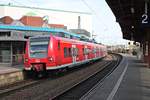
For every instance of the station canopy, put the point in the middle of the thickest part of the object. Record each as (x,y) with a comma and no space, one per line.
(132,15)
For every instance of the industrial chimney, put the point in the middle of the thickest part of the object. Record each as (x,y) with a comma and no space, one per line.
(79,22)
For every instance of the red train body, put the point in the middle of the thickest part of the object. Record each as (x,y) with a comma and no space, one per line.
(52,52)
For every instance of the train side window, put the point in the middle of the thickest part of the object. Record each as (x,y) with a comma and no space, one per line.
(87,51)
(83,51)
(76,52)
(97,50)
(94,50)
(65,52)
(73,52)
(69,52)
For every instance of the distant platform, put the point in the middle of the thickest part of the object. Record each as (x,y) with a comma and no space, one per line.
(130,81)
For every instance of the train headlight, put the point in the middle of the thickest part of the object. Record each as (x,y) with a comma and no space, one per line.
(50,59)
(26,59)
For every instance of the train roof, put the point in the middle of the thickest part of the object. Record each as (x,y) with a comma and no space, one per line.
(74,41)
(39,36)
(69,40)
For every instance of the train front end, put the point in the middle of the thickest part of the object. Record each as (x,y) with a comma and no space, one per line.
(36,54)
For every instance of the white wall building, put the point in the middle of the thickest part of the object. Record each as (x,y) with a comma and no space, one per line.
(68,18)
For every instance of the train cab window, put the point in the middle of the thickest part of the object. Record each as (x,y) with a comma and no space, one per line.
(61,34)
(65,52)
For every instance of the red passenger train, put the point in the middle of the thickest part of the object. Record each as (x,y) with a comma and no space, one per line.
(45,53)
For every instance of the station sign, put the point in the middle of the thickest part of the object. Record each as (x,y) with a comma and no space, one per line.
(145,17)
(145,20)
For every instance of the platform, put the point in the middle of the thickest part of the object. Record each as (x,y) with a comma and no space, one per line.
(130,81)
(9,75)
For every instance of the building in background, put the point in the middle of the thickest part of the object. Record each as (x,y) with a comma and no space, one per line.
(84,33)
(32,21)
(51,16)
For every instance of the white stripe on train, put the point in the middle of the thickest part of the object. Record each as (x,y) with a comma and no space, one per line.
(67,65)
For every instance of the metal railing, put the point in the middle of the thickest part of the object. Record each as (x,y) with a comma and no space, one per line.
(5,59)
(18,59)
(14,60)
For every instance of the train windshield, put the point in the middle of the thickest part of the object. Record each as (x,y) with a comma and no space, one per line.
(39,47)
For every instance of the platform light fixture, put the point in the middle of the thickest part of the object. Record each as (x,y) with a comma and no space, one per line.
(132,27)
(132,10)
(132,38)
(146,6)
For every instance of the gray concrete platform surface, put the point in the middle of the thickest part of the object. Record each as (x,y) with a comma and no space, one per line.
(130,81)
(9,75)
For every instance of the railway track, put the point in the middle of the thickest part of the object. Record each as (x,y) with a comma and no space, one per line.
(58,87)
(79,90)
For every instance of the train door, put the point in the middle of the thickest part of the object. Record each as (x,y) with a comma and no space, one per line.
(59,53)
(74,54)
(86,52)
(94,52)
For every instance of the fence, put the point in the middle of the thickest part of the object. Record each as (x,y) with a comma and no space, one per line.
(14,60)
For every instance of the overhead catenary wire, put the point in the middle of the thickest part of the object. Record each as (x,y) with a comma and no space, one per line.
(21,4)
(95,13)
(33,2)
(18,2)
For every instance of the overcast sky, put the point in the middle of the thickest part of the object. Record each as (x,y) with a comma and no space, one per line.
(105,28)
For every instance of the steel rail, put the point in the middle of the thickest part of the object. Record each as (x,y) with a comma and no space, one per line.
(111,63)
